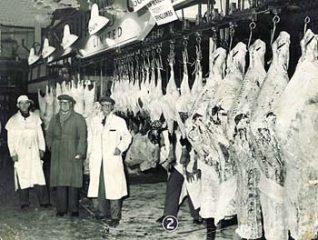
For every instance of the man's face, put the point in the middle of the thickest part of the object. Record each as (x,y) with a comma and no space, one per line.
(65,106)
(24,106)
(107,107)
(64,74)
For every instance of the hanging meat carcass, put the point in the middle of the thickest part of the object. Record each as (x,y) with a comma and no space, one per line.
(155,105)
(77,92)
(248,202)
(200,134)
(197,86)
(49,99)
(144,90)
(156,113)
(95,114)
(216,118)
(296,130)
(42,106)
(65,87)
(216,75)
(134,95)
(145,152)
(142,153)
(169,100)
(267,151)
(89,98)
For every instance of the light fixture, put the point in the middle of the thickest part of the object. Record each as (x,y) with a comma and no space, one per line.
(96,22)
(47,50)
(68,38)
(32,57)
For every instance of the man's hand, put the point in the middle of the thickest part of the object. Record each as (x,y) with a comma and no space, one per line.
(41,154)
(15,158)
(117,152)
(190,176)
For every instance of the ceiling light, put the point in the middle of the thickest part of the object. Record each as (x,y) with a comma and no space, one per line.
(47,49)
(96,22)
(68,38)
(32,57)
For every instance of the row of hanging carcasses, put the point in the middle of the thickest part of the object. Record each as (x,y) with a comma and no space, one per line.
(254,134)
(83,94)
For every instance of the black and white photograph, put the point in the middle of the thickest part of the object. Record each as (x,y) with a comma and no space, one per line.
(159,119)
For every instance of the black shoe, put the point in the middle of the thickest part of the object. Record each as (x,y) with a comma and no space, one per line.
(60,214)
(114,223)
(159,220)
(75,214)
(25,206)
(228,222)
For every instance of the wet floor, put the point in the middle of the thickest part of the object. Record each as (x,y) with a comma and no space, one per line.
(140,211)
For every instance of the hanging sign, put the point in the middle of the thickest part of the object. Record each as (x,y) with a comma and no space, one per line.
(124,29)
(138,4)
(162,11)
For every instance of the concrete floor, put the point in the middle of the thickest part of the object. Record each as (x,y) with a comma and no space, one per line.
(140,211)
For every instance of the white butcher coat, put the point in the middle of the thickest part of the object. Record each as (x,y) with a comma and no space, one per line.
(25,139)
(102,141)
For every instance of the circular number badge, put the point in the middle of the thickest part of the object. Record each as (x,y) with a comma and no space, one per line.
(170,223)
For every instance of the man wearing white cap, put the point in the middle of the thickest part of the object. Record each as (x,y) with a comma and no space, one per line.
(26,145)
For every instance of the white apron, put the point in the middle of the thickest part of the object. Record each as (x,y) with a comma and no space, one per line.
(25,139)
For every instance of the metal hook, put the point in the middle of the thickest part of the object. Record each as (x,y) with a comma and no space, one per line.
(275,20)
(252,26)
(232,32)
(306,21)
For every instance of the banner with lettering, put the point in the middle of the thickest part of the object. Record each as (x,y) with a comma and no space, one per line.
(162,11)
(138,4)
(125,29)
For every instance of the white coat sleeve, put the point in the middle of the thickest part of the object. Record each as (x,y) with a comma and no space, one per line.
(12,136)
(41,137)
(125,137)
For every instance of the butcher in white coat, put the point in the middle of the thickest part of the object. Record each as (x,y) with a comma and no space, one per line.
(26,145)
(108,138)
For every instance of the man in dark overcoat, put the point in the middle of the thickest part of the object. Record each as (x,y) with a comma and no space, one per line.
(67,140)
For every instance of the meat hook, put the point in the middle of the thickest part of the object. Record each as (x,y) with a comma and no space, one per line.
(275,20)
(306,21)
(252,27)
(232,32)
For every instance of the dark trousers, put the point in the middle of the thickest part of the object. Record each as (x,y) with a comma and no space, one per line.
(46,171)
(67,199)
(41,192)
(107,208)
(173,192)
(211,229)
